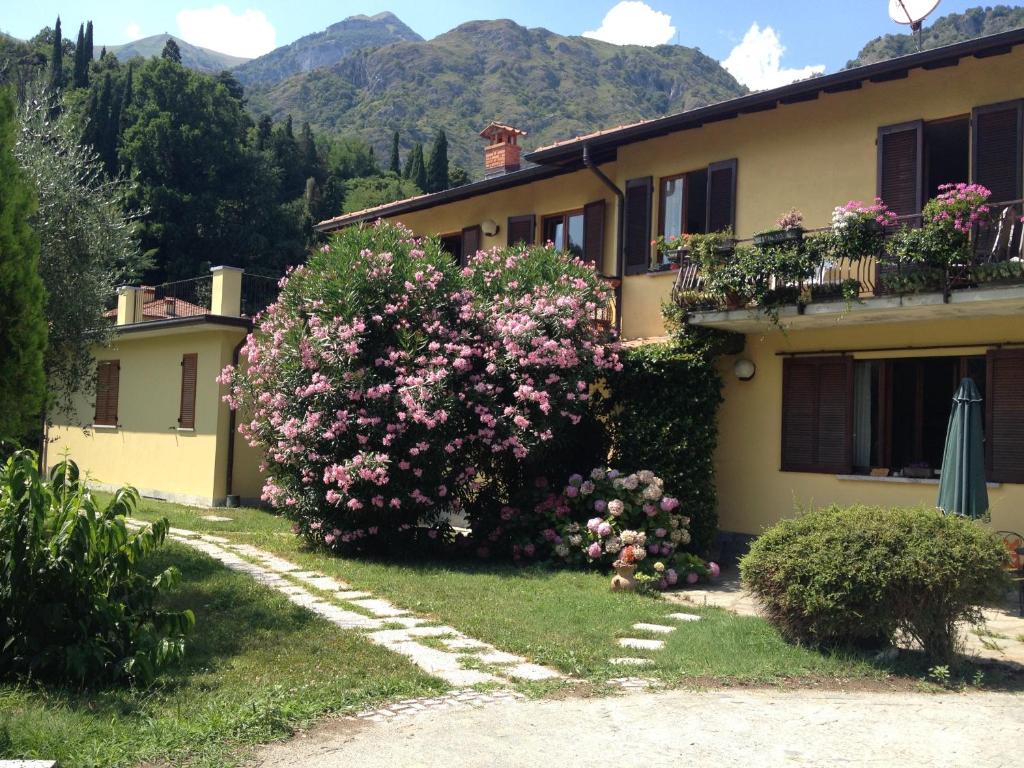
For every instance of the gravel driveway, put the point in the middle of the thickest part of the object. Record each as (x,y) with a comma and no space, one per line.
(714,728)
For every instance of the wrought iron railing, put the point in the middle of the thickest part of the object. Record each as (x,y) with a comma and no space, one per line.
(258,293)
(997,255)
(180,298)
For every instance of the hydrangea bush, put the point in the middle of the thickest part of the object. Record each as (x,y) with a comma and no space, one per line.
(387,385)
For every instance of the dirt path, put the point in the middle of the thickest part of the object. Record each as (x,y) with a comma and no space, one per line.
(756,728)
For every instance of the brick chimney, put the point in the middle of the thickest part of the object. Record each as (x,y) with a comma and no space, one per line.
(501,155)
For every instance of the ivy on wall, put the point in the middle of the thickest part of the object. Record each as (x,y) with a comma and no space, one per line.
(662,415)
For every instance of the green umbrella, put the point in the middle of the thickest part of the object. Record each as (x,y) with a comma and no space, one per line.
(962,486)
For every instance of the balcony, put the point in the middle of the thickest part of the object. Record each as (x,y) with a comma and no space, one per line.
(881,285)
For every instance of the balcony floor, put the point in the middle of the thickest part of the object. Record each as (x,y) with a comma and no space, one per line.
(989,301)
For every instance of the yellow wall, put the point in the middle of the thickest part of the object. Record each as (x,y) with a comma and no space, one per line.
(146,449)
(811,156)
(754,493)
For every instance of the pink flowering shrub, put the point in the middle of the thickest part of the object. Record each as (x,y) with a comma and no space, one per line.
(958,206)
(858,229)
(387,386)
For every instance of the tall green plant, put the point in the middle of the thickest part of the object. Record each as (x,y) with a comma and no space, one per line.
(73,606)
(22,296)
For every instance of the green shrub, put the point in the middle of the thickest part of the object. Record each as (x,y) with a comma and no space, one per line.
(73,607)
(860,575)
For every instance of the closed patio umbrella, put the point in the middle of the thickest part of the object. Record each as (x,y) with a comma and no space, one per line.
(962,488)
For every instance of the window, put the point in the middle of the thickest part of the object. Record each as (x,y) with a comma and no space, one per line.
(521,229)
(471,241)
(565,230)
(108,374)
(684,203)
(187,408)
(452,245)
(841,415)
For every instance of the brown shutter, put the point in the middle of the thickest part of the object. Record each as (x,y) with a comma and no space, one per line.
(187,411)
(470,243)
(521,229)
(996,149)
(1004,446)
(638,225)
(593,233)
(721,203)
(108,375)
(817,400)
(899,167)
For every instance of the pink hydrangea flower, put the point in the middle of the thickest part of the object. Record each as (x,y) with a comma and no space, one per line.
(594,550)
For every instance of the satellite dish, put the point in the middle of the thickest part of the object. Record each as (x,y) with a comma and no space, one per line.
(912,13)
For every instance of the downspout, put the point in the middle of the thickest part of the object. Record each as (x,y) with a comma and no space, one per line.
(619,231)
(229,499)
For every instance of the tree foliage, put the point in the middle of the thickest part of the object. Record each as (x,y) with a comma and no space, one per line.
(22,294)
(437,165)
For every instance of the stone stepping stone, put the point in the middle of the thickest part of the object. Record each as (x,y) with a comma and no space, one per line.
(405,621)
(641,644)
(464,644)
(217,518)
(660,629)
(630,661)
(379,607)
(528,671)
(500,657)
(351,595)
(347,619)
(440,663)
(391,636)
(683,616)
(326,583)
(215,539)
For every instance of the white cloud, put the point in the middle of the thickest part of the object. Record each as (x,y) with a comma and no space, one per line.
(133,31)
(632,22)
(756,61)
(247,34)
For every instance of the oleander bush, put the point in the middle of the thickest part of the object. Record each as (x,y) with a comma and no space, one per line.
(74,608)
(862,575)
(388,386)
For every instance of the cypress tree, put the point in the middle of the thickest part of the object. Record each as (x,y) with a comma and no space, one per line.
(437,168)
(410,159)
(104,124)
(396,165)
(57,60)
(88,48)
(22,296)
(80,76)
(264,129)
(417,168)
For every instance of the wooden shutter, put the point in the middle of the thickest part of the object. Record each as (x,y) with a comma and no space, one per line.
(1004,446)
(187,410)
(721,201)
(108,376)
(996,149)
(593,233)
(817,414)
(899,167)
(638,224)
(470,243)
(521,229)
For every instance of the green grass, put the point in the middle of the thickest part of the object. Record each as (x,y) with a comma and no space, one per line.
(257,667)
(567,619)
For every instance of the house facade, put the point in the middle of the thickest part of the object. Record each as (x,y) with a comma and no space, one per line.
(847,402)
(156,419)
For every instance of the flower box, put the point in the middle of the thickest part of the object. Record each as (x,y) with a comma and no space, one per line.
(790,236)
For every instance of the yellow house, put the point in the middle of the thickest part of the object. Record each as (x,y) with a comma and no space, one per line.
(843,403)
(156,419)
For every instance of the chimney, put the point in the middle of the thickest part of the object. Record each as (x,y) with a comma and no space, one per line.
(501,155)
(169,306)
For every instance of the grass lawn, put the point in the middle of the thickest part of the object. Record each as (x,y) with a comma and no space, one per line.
(570,620)
(257,666)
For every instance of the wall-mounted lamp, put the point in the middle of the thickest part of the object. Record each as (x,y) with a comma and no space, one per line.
(489,227)
(744,369)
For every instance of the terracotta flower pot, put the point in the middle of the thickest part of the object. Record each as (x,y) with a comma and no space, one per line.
(623,580)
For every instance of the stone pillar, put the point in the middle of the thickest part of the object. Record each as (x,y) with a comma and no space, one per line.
(129,304)
(226,297)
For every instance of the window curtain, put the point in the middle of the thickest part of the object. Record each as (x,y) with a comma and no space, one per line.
(862,415)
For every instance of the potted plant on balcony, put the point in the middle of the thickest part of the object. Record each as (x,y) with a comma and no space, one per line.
(858,230)
(722,274)
(669,250)
(789,231)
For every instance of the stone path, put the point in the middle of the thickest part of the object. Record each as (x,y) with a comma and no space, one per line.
(764,728)
(446,653)
(646,644)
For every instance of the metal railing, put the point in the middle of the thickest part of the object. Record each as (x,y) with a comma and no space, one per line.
(1000,242)
(604,317)
(180,298)
(258,293)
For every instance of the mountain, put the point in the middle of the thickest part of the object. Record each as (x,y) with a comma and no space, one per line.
(953,28)
(192,56)
(548,84)
(325,48)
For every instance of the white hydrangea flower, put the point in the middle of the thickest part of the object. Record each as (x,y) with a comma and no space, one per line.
(639,553)
(597,474)
(618,483)
(630,482)
(613,545)
(685,537)
(587,488)
(645,476)
(561,550)
(676,536)
(659,567)
(652,492)
(616,507)
(628,537)
(575,539)
(641,539)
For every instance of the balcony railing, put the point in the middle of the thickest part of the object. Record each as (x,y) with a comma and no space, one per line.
(195,298)
(258,293)
(997,256)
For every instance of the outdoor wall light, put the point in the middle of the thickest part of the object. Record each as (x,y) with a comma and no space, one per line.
(489,227)
(744,369)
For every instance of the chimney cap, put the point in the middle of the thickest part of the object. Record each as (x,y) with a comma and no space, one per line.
(498,131)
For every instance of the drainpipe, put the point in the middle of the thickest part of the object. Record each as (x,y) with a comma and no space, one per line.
(230,500)
(619,230)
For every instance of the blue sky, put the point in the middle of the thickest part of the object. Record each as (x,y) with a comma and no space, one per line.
(777,40)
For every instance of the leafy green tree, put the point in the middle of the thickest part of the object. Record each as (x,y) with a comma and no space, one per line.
(87,244)
(437,167)
(369,191)
(395,166)
(457,176)
(22,295)
(171,51)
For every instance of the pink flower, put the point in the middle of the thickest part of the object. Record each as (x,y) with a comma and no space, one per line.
(660,533)
(572,491)
(671,576)
(600,505)
(593,524)
(714,570)
(692,577)
(594,551)
(604,530)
